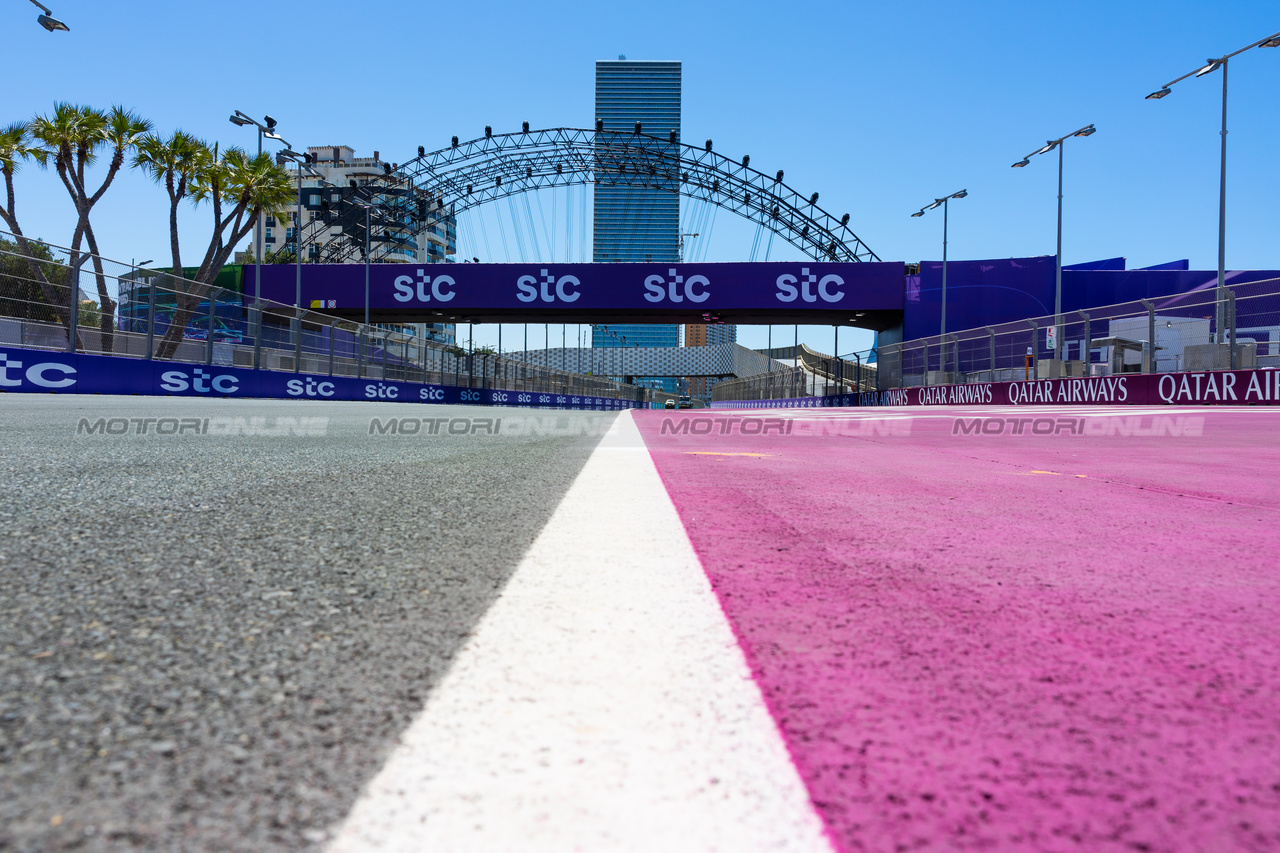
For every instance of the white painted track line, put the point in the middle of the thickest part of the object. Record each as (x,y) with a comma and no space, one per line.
(601,704)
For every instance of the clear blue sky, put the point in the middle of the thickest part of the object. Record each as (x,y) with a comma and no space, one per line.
(880,107)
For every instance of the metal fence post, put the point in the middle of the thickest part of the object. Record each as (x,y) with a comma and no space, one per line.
(151,320)
(1087,355)
(73,300)
(73,319)
(256,316)
(1231,326)
(1150,354)
(955,348)
(991,334)
(1035,349)
(208,343)
(332,343)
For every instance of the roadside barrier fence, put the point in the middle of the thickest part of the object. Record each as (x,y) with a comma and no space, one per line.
(132,311)
(1235,328)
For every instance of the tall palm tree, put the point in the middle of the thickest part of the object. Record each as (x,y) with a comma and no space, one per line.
(239,189)
(75,137)
(173,163)
(16,147)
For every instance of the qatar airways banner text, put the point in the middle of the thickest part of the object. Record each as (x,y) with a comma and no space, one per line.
(459,288)
(1220,387)
(40,371)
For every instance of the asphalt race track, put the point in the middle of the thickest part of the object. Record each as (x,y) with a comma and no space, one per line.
(211,642)
(265,628)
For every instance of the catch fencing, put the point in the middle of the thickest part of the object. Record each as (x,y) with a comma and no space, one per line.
(1237,327)
(137,312)
(811,374)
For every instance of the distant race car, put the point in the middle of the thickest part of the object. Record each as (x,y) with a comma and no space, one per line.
(671,404)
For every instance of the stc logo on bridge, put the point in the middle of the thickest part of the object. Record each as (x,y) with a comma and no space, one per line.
(675,288)
(405,288)
(527,292)
(788,292)
(672,289)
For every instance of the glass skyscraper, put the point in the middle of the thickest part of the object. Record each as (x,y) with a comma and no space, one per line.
(637,224)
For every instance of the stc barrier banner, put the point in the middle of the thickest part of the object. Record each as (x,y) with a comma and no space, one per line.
(1219,387)
(38,371)
(600,287)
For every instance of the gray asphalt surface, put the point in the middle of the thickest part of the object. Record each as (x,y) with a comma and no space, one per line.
(211,642)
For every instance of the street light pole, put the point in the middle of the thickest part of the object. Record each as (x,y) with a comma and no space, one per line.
(1212,65)
(1222,198)
(1088,130)
(1057,272)
(367,205)
(47,20)
(367,250)
(301,161)
(240,119)
(921,212)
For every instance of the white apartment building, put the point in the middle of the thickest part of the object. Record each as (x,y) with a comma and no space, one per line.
(400,233)
(404,226)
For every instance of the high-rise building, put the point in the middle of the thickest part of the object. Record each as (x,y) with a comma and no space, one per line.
(637,224)
(703,334)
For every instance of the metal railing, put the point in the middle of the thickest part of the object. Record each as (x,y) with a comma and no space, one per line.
(1200,330)
(224,327)
(1157,335)
(814,374)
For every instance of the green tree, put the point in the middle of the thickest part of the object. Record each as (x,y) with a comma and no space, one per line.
(74,138)
(90,313)
(238,188)
(173,163)
(48,279)
(22,292)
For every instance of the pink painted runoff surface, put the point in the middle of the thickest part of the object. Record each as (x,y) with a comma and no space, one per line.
(1004,642)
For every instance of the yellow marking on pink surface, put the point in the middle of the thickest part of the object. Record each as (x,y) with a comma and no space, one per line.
(713,453)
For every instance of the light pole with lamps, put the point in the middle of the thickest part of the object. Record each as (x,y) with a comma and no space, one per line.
(268,130)
(47,20)
(1057,279)
(367,207)
(1212,66)
(943,202)
(303,162)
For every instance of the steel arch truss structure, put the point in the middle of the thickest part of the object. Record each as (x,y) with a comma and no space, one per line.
(468,174)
